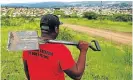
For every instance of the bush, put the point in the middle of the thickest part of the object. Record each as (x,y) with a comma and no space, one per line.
(66,34)
(116,17)
(122,17)
(59,12)
(90,15)
(66,16)
(105,17)
(74,15)
(15,21)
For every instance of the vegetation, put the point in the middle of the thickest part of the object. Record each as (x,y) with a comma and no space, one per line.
(90,15)
(59,12)
(95,16)
(16,21)
(63,15)
(122,17)
(101,24)
(115,17)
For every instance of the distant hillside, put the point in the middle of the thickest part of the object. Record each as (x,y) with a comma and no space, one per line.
(70,4)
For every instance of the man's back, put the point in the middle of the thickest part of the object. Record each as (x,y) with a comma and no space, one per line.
(48,62)
(51,60)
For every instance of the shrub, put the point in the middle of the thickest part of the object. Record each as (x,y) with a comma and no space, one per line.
(65,34)
(122,17)
(90,15)
(59,12)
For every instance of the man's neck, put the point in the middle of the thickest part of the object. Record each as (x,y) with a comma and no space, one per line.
(46,36)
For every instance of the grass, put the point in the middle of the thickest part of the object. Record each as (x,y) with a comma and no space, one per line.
(114,62)
(103,24)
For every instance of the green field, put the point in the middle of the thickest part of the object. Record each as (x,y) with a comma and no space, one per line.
(103,24)
(114,62)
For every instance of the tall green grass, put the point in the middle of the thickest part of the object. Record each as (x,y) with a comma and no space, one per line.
(114,62)
(101,24)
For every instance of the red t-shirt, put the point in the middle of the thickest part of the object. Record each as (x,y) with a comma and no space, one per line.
(48,62)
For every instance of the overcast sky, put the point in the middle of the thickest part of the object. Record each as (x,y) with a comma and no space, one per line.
(26,1)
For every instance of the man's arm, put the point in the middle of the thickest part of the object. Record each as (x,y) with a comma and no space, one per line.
(26,69)
(77,70)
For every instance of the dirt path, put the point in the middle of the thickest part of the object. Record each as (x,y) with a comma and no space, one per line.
(124,38)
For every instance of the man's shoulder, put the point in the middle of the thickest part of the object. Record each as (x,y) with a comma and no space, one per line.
(25,51)
(54,45)
(57,46)
(60,46)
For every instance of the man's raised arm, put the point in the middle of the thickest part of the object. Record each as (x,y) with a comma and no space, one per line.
(77,70)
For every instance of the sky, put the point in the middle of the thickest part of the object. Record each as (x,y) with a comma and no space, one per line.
(29,1)
(26,1)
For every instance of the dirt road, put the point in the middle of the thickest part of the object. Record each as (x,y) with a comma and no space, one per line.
(124,38)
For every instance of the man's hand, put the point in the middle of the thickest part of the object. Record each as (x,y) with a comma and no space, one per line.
(83,46)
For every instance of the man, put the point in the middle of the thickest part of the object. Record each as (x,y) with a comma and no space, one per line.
(52,60)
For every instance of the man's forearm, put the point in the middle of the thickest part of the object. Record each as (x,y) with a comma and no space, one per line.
(26,69)
(77,70)
(27,75)
(81,63)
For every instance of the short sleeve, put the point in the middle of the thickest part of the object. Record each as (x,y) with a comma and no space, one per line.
(65,58)
(25,55)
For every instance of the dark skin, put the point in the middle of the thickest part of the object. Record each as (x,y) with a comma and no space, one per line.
(77,70)
(26,69)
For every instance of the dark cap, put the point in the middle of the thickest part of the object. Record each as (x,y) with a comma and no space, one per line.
(49,21)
